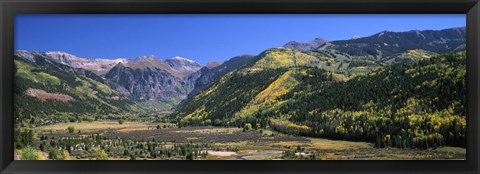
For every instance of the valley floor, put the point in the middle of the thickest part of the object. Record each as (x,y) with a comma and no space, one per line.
(228,143)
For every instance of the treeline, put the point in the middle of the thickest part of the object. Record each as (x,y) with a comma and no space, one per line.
(99,147)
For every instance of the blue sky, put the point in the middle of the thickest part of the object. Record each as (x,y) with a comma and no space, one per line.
(202,38)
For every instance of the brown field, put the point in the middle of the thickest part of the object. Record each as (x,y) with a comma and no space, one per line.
(235,144)
(44,95)
(98,126)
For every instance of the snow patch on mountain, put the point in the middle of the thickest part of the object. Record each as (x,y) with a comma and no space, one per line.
(99,66)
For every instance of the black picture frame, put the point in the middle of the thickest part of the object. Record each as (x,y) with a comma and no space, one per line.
(8,9)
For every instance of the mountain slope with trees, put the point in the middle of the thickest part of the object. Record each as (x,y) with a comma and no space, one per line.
(210,75)
(47,92)
(417,104)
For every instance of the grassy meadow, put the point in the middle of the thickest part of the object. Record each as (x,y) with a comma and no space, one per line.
(137,140)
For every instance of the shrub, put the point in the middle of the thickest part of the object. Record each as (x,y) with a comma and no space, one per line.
(65,155)
(247,127)
(55,154)
(102,155)
(29,153)
(71,129)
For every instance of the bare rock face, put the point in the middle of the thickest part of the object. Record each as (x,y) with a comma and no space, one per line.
(98,66)
(213,64)
(150,78)
(147,82)
(183,66)
(305,46)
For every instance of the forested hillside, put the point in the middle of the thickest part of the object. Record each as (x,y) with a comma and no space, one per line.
(417,104)
(405,105)
(48,92)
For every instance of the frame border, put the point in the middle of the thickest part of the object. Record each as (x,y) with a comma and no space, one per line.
(8,9)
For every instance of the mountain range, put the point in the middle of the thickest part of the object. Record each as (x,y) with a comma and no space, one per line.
(393,89)
(387,43)
(411,95)
(164,83)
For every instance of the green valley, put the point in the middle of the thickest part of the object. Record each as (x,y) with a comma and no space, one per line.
(392,95)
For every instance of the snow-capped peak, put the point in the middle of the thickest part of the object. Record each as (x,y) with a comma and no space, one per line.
(183,59)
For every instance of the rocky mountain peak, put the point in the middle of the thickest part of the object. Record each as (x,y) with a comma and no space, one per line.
(184,59)
(213,64)
(98,66)
(183,66)
(305,46)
